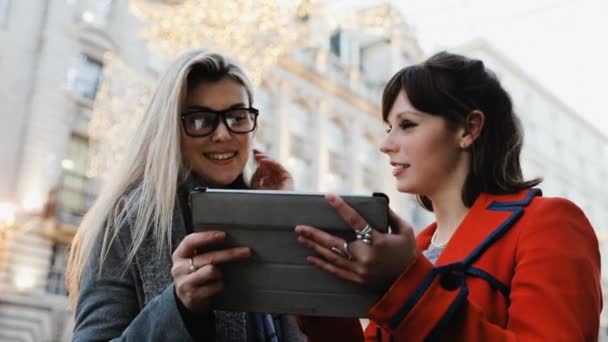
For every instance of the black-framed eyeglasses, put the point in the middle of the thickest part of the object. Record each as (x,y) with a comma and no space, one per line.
(203,122)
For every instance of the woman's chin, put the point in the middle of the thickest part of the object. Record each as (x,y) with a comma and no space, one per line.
(406,188)
(219,180)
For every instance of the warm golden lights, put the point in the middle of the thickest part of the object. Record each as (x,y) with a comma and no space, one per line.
(254,32)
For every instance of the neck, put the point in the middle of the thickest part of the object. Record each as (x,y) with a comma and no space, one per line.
(238,183)
(448,206)
(449,213)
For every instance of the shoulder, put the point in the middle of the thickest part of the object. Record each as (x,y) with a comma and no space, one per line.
(559,220)
(556,209)
(115,234)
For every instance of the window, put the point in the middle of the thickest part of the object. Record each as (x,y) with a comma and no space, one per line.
(266,120)
(301,171)
(96,12)
(77,193)
(4,8)
(336,179)
(371,179)
(376,60)
(335,41)
(369,157)
(84,77)
(82,119)
(405,59)
(264,104)
(369,152)
(336,183)
(336,137)
(55,282)
(263,141)
(104,8)
(299,120)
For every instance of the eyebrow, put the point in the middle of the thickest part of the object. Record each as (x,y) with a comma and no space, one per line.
(403,113)
(407,112)
(203,108)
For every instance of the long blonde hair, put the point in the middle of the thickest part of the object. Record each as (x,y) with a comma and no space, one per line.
(151,171)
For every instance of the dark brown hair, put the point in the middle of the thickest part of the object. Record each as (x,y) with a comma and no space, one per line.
(452,86)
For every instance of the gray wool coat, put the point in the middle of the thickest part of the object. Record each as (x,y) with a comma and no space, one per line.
(137,303)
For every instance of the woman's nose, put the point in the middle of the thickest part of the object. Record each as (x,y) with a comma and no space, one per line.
(221,132)
(387,146)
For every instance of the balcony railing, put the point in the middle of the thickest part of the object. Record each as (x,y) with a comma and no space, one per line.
(77,196)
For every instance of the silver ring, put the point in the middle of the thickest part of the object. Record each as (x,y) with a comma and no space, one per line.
(365,230)
(365,234)
(192,267)
(347,251)
(343,253)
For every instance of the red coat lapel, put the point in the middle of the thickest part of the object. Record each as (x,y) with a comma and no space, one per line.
(477,225)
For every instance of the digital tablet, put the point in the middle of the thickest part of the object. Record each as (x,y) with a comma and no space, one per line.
(277,278)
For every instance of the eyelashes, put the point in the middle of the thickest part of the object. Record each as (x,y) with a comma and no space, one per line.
(403,125)
(406,124)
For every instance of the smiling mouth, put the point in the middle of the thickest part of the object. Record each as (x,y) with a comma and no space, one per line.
(399,166)
(220,156)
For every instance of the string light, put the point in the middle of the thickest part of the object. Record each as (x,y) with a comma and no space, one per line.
(254,32)
(381,19)
(119,105)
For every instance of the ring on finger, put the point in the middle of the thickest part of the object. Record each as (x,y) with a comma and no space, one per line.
(193,268)
(365,234)
(366,239)
(343,253)
(366,230)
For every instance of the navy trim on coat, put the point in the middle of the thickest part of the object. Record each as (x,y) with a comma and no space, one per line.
(454,274)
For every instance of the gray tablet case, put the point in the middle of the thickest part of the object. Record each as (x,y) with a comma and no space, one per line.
(277,278)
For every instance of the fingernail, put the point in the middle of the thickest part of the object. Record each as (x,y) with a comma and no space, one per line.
(219,235)
(302,231)
(311,260)
(331,198)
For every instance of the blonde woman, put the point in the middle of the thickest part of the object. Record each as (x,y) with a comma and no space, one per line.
(134,273)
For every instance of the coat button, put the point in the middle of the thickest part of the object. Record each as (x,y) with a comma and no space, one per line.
(449,281)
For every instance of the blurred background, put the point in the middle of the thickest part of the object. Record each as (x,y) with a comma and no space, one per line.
(77,75)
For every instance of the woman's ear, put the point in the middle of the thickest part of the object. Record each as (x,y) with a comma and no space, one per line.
(473,126)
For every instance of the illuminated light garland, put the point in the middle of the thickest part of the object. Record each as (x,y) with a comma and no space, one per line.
(254,32)
(381,19)
(119,106)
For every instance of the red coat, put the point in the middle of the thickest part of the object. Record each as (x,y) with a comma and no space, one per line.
(519,268)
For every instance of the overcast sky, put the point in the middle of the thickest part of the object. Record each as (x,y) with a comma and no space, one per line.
(560,43)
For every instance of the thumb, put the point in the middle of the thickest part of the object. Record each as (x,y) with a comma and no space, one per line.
(398,225)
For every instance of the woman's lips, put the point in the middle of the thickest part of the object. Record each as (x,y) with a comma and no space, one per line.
(220,157)
(399,169)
